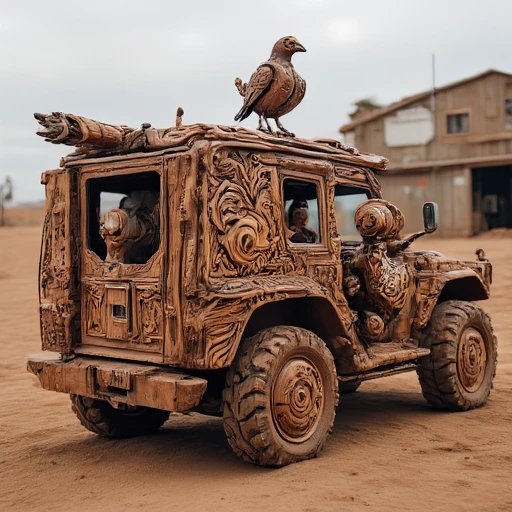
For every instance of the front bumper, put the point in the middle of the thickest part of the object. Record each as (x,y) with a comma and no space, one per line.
(115,381)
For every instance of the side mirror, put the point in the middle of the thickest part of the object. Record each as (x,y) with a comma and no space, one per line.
(430,216)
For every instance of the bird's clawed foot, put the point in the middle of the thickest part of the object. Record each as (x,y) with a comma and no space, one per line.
(261,128)
(283,132)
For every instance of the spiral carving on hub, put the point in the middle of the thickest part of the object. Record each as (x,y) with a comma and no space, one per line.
(297,400)
(472,358)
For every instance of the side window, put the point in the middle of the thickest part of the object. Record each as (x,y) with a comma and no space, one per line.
(347,199)
(457,123)
(301,211)
(123,217)
(508,114)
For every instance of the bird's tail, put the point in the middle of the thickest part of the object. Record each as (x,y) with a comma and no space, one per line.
(244,113)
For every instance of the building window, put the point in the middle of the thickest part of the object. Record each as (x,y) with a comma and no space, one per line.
(508,114)
(457,123)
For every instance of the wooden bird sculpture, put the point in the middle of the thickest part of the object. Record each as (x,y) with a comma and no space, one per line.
(275,88)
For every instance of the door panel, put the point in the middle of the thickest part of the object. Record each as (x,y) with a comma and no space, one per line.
(123,315)
(122,275)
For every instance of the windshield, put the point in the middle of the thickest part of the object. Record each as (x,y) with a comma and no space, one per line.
(347,199)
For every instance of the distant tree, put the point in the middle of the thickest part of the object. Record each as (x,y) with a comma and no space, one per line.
(5,196)
(364,107)
(366,103)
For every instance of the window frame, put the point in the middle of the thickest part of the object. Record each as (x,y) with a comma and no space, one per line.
(456,112)
(319,181)
(359,186)
(95,173)
(508,117)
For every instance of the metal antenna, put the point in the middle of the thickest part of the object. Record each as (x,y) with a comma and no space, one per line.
(433,97)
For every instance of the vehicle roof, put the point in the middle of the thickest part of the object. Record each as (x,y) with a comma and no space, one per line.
(184,137)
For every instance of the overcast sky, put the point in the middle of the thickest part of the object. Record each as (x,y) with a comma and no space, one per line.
(131,61)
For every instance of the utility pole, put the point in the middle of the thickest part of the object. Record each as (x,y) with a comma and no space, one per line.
(433,96)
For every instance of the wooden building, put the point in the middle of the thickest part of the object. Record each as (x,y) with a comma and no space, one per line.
(452,145)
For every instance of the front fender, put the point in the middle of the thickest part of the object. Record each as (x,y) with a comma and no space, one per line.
(464,285)
(435,287)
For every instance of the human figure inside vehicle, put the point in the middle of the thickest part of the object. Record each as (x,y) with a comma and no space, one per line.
(298,218)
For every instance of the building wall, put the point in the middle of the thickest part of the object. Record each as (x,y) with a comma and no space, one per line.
(411,127)
(490,131)
(484,99)
(450,188)
(489,135)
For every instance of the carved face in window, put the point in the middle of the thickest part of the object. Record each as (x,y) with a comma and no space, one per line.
(300,217)
(124,216)
(302,210)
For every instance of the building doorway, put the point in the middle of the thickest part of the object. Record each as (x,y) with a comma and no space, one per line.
(492,198)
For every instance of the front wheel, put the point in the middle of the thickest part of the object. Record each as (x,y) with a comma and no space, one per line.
(100,417)
(280,397)
(459,372)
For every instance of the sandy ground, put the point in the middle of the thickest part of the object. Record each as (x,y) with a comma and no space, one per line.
(389,451)
(20,216)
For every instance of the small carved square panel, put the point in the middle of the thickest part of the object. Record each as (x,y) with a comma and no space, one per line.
(117,320)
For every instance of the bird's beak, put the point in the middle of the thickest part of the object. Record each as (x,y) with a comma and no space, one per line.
(300,48)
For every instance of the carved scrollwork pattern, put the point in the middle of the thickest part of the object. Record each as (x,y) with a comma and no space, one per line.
(333,229)
(54,274)
(94,308)
(222,329)
(56,320)
(59,313)
(427,292)
(244,212)
(150,300)
(354,172)
(224,318)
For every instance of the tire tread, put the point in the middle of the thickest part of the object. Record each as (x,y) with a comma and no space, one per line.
(437,372)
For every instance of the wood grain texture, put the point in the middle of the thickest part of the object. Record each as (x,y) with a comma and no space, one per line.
(275,88)
(127,383)
(224,266)
(180,248)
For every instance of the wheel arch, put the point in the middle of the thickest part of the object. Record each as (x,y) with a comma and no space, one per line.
(316,314)
(468,288)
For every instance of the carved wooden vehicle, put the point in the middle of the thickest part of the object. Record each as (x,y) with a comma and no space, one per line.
(219,269)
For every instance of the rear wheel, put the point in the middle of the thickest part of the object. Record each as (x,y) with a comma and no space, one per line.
(459,372)
(280,397)
(100,417)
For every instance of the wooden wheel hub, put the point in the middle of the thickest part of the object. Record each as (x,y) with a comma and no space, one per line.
(297,400)
(471,359)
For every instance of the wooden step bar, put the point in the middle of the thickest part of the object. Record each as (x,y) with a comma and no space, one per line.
(376,374)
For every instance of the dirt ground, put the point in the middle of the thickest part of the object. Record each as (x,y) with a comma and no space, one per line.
(389,451)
